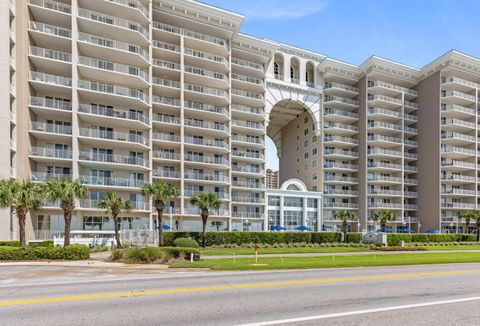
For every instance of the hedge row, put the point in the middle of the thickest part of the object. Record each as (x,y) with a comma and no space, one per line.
(76,252)
(244,238)
(13,243)
(154,254)
(16,243)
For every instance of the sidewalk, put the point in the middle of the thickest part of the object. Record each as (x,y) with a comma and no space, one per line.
(329,254)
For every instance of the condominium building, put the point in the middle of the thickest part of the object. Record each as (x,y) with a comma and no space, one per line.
(122,92)
(272,179)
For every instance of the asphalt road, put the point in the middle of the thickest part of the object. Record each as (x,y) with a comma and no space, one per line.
(407,295)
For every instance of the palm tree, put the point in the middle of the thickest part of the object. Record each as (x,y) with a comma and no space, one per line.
(160,192)
(115,206)
(383,216)
(467,215)
(344,216)
(205,201)
(22,197)
(67,191)
(474,214)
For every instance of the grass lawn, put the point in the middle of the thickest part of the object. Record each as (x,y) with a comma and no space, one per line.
(462,247)
(264,251)
(366,260)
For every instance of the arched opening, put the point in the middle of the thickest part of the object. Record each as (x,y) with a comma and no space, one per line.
(292,128)
(294,70)
(310,74)
(278,66)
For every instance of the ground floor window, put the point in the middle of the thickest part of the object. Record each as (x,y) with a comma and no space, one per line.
(292,219)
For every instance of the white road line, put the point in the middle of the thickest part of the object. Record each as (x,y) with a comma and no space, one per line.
(360,312)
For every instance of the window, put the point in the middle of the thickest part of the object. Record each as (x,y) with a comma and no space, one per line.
(305,167)
(305,156)
(275,68)
(314,151)
(312,202)
(314,139)
(305,143)
(273,201)
(293,202)
(314,164)
(305,120)
(305,132)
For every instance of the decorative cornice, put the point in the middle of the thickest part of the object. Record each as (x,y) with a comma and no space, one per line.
(294,88)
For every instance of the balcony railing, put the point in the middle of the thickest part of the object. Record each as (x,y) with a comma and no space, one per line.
(341,179)
(247,109)
(113,44)
(166,46)
(42,176)
(455,177)
(340,112)
(50,79)
(247,124)
(247,79)
(205,107)
(247,214)
(332,125)
(384,205)
(385,192)
(50,103)
(205,56)
(392,86)
(221,195)
(459,94)
(330,98)
(248,154)
(457,108)
(166,100)
(247,64)
(381,124)
(133,4)
(52,128)
(112,20)
(375,177)
(113,182)
(206,73)
(192,34)
(458,205)
(111,158)
(340,205)
(166,118)
(247,184)
(51,152)
(340,192)
(247,199)
(247,94)
(456,163)
(166,64)
(206,177)
(383,98)
(458,122)
(329,85)
(206,142)
(162,173)
(456,149)
(112,89)
(165,82)
(116,67)
(457,135)
(50,54)
(196,212)
(247,169)
(206,90)
(248,139)
(340,152)
(53,5)
(331,138)
(113,113)
(206,125)
(113,135)
(50,29)
(166,155)
(206,159)
(165,137)
(456,80)
(454,191)
(346,166)
(377,164)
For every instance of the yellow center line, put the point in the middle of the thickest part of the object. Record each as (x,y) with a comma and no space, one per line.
(98,296)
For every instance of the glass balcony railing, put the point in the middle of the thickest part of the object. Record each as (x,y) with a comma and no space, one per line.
(113,113)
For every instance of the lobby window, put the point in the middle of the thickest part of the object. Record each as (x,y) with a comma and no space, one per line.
(312,202)
(293,202)
(273,201)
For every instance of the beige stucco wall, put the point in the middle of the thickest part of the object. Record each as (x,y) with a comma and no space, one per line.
(362,152)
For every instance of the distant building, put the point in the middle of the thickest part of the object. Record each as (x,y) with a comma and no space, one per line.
(272,179)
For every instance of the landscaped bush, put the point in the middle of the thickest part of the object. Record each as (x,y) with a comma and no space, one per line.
(394,239)
(76,252)
(45,243)
(150,255)
(354,237)
(185,243)
(10,243)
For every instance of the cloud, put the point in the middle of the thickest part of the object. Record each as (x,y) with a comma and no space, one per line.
(277,9)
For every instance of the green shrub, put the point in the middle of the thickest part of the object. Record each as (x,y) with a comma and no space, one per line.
(354,237)
(13,243)
(185,243)
(117,254)
(150,255)
(76,252)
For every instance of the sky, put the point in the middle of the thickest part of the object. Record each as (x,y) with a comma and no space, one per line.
(412,32)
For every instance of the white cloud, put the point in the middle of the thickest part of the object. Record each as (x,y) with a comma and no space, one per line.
(277,9)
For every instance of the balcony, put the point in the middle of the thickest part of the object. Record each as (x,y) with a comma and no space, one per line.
(409,181)
(458,178)
(247,199)
(340,154)
(166,101)
(50,29)
(340,192)
(52,5)
(382,100)
(340,128)
(206,160)
(190,140)
(108,159)
(247,111)
(93,204)
(196,212)
(377,165)
(133,4)
(127,93)
(221,195)
(166,119)
(248,155)
(166,155)
(247,169)
(50,60)
(373,111)
(121,118)
(456,152)
(136,76)
(457,111)
(381,152)
(456,97)
(455,83)
(207,109)
(50,153)
(385,192)
(382,205)
(248,67)
(340,115)
(458,206)
(130,139)
(457,165)
(340,179)
(256,127)
(335,205)
(247,97)
(47,83)
(337,89)
(247,82)
(340,141)
(42,127)
(457,138)
(101,182)
(40,104)
(203,76)
(383,126)
(217,96)
(110,24)
(384,140)
(206,60)
(458,192)
(207,127)
(206,177)
(163,136)
(168,174)
(166,50)
(166,86)
(337,102)
(42,176)
(102,47)
(457,125)
(247,184)
(391,88)
(375,178)
(251,141)
(340,166)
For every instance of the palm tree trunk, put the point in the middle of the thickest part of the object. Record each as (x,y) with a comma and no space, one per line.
(204,227)
(467,223)
(22,217)
(383,224)
(161,240)
(67,215)
(478,230)
(117,233)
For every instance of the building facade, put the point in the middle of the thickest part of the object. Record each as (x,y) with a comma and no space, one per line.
(272,179)
(118,93)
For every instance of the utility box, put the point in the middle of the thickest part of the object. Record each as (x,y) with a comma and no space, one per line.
(376,238)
